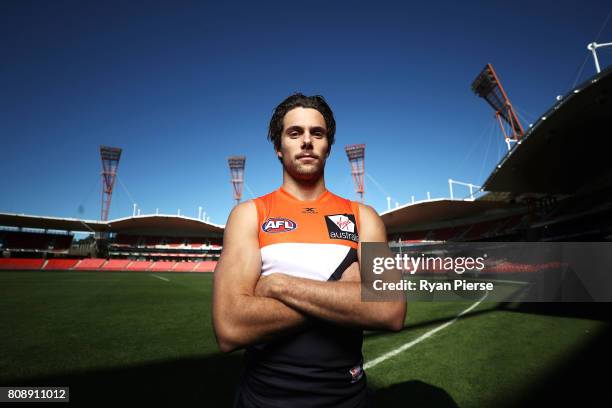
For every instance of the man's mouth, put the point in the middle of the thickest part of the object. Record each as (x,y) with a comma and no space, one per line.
(307,156)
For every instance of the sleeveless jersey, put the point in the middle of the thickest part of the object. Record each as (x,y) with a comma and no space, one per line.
(321,365)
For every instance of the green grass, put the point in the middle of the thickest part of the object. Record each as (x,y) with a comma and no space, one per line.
(134,337)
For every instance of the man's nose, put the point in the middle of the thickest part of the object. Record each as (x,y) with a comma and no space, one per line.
(307,139)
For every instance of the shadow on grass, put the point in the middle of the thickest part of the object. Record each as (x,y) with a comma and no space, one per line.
(207,381)
(412,394)
(583,310)
(581,381)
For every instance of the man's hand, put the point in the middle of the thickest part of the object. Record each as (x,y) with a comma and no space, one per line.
(268,285)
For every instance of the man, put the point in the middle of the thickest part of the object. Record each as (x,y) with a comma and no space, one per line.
(287,286)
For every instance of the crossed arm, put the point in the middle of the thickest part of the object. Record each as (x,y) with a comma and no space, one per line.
(249,309)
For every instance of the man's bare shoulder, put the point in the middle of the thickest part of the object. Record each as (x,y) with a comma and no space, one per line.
(239,241)
(242,220)
(243,212)
(368,214)
(372,226)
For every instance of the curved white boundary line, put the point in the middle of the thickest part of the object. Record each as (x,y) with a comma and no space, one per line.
(430,333)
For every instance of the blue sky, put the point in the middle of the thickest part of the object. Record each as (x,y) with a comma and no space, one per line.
(180,86)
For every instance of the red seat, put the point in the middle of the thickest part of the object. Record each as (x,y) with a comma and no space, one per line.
(115,265)
(21,263)
(60,264)
(139,265)
(162,266)
(90,264)
(184,266)
(205,266)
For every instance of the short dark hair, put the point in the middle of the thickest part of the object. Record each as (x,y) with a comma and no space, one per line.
(300,100)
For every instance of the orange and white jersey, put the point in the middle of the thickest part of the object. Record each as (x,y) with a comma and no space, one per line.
(315,239)
(321,364)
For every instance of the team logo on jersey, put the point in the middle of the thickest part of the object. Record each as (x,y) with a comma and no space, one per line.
(275,225)
(356,373)
(342,226)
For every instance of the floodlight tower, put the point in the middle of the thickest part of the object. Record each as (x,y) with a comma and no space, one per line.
(236,165)
(110,161)
(593,48)
(356,156)
(487,86)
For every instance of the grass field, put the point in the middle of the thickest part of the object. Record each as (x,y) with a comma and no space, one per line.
(144,338)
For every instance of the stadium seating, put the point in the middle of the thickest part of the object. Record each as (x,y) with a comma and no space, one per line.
(60,242)
(126,240)
(205,266)
(115,265)
(23,240)
(445,234)
(139,266)
(20,263)
(162,266)
(89,264)
(184,266)
(153,241)
(60,264)
(509,224)
(100,264)
(413,236)
(479,230)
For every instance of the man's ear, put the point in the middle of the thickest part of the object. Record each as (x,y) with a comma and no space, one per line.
(279,154)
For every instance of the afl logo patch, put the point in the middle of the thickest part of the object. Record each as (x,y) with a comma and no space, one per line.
(275,225)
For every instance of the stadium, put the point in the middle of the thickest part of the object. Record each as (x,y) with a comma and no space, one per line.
(119,310)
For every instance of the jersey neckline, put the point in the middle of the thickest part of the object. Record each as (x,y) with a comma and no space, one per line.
(291,197)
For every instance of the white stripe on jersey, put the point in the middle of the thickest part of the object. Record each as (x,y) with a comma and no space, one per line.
(303,260)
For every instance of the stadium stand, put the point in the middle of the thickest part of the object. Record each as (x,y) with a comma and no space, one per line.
(60,242)
(162,266)
(139,266)
(60,264)
(115,265)
(205,266)
(99,264)
(20,263)
(184,266)
(445,234)
(126,240)
(89,264)
(479,230)
(36,241)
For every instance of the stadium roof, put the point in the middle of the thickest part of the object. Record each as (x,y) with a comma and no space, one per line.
(166,225)
(412,216)
(566,149)
(163,225)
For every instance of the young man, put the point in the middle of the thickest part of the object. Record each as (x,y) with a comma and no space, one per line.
(287,286)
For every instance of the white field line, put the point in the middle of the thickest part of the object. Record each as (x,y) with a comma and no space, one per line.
(160,277)
(425,336)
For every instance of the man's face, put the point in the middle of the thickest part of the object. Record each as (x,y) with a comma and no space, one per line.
(304,147)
